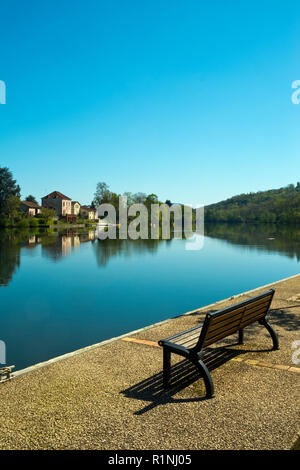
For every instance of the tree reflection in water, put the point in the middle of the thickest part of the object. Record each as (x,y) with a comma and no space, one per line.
(283,239)
(57,245)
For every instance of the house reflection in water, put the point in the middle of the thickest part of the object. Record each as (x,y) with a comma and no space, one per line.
(55,245)
(66,245)
(76,242)
(33,240)
(60,245)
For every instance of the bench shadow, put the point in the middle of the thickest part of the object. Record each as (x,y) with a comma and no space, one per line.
(183,374)
(286,319)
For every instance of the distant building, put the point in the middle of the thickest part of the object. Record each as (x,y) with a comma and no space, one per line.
(88,212)
(58,201)
(75,208)
(30,208)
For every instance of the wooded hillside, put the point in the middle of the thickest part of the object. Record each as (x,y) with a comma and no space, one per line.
(274,206)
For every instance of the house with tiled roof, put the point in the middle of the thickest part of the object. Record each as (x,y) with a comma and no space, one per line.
(88,212)
(75,207)
(30,208)
(58,201)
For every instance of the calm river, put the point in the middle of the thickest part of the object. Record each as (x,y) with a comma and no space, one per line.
(63,291)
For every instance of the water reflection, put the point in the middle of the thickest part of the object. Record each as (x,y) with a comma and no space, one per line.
(57,245)
(284,239)
(54,245)
(105,249)
(9,256)
(61,244)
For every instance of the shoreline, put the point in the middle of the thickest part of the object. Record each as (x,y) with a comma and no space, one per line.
(83,402)
(79,351)
(58,226)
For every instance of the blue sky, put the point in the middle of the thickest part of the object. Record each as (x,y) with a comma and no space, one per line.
(190,100)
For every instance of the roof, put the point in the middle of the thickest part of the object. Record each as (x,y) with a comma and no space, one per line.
(88,208)
(75,202)
(31,204)
(56,195)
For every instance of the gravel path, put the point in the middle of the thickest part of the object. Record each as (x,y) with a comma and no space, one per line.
(111,397)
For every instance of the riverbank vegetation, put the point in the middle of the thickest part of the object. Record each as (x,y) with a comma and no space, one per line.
(11,216)
(277,206)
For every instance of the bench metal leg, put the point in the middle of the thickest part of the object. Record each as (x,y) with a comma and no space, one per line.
(167,367)
(241,336)
(206,376)
(272,333)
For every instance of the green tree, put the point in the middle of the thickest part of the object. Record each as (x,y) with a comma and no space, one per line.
(8,188)
(130,198)
(150,199)
(102,194)
(114,200)
(47,213)
(139,198)
(274,206)
(11,207)
(31,198)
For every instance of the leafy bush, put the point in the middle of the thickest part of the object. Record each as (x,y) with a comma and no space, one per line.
(23,223)
(33,222)
(4,222)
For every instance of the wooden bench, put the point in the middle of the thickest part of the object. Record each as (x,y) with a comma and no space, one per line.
(192,343)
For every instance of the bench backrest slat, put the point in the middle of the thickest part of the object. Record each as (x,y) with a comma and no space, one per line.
(255,314)
(226,322)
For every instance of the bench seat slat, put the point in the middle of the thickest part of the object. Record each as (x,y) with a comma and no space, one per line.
(191,343)
(187,339)
(190,330)
(187,334)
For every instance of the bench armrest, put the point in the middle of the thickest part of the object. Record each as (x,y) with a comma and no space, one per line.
(174,347)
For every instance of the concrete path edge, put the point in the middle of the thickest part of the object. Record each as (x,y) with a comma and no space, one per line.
(102,343)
